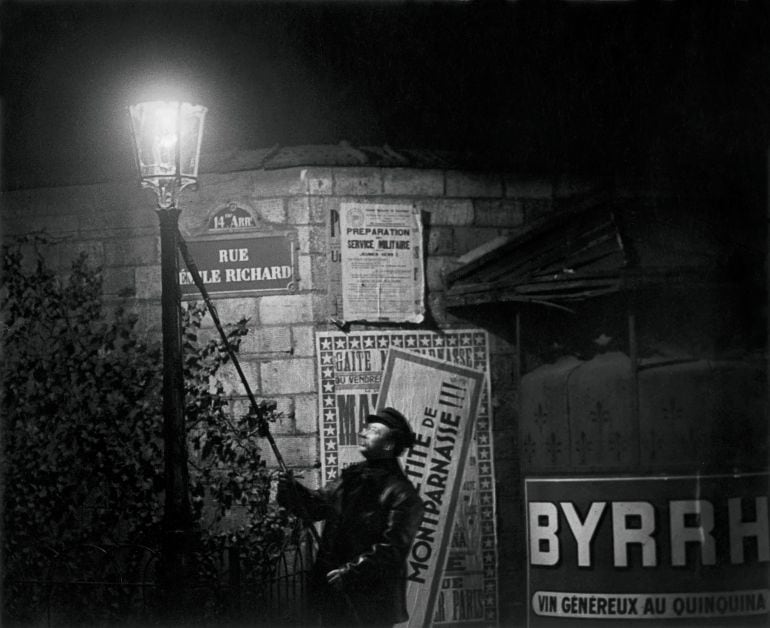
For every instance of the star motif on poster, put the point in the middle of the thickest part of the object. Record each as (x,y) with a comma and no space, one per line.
(329,430)
(328,387)
(425,341)
(339,343)
(452,340)
(369,342)
(326,358)
(466,339)
(331,474)
(382,342)
(329,401)
(483,439)
(331,444)
(354,343)
(329,416)
(489,543)
(410,341)
(486,499)
(480,356)
(331,459)
(484,453)
(489,572)
(439,341)
(396,341)
(486,484)
(485,468)
(327,373)
(326,344)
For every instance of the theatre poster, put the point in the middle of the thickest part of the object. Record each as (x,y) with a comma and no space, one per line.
(351,368)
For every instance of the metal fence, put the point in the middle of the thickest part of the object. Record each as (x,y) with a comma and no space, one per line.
(116,585)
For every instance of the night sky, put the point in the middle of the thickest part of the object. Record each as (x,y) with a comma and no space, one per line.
(591,87)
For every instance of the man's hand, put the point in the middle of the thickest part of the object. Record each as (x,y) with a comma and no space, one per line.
(285,479)
(334,578)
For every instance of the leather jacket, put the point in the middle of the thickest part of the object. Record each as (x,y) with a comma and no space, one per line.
(372,513)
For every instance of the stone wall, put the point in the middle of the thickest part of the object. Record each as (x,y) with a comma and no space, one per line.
(116,225)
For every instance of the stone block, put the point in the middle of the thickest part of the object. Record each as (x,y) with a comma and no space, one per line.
(267,340)
(468,239)
(306,413)
(435,272)
(303,340)
(312,239)
(410,182)
(284,422)
(518,186)
(231,381)
(132,251)
(118,279)
(319,269)
(321,208)
(297,450)
(317,181)
(294,375)
(147,282)
(473,184)
(298,210)
(498,213)
(112,223)
(286,309)
(357,181)
(305,272)
(441,241)
(65,253)
(272,210)
(291,182)
(232,310)
(447,212)
(149,319)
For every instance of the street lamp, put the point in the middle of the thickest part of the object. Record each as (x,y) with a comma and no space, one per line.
(167,142)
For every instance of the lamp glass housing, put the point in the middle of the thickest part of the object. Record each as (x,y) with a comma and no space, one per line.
(167,142)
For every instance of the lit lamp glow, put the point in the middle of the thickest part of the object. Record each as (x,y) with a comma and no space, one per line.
(167,144)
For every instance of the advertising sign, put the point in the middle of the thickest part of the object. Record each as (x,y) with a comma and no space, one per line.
(350,372)
(241,264)
(690,550)
(382,266)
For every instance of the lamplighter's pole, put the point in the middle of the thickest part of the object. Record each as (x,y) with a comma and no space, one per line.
(177,518)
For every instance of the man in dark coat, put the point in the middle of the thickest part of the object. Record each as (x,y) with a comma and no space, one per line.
(372,513)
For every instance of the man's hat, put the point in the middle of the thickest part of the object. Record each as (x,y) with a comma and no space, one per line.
(397,422)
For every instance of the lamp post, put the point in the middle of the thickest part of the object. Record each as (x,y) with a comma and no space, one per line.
(167,141)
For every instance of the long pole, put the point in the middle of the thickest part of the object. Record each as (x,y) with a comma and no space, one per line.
(177,516)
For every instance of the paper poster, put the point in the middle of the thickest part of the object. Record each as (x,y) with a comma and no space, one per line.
(441,400)
(350,371)
(382,262)
(644,551)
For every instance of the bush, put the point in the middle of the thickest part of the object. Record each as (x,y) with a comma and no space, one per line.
(82,425)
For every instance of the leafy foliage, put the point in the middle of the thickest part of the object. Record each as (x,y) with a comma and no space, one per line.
(81,410)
